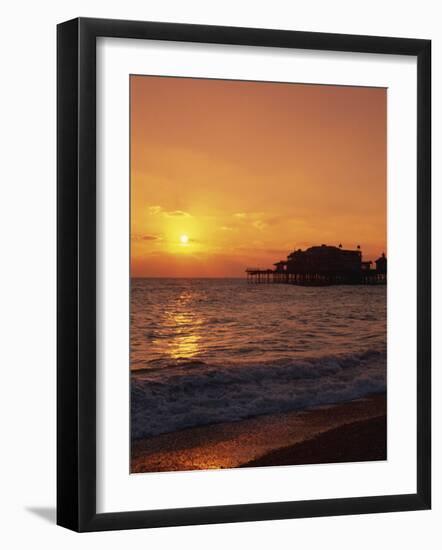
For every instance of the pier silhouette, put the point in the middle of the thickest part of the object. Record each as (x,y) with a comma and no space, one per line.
(321,266)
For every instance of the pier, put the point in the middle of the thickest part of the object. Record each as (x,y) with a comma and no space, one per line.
(322,266)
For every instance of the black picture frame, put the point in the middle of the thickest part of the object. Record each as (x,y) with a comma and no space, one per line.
(76,274)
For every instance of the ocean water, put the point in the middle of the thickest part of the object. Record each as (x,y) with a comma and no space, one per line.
(217,350)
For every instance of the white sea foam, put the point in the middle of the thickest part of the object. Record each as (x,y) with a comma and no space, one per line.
(205,350)
(172,395)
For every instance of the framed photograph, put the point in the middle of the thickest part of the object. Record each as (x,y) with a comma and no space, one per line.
(231,344)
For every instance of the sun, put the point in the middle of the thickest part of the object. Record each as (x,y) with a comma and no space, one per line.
(184,239)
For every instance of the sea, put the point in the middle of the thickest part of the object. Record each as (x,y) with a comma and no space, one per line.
(205,351)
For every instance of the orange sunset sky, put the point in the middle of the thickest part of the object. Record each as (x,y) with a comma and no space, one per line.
(231,174)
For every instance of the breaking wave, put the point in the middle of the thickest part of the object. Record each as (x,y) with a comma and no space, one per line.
(185,393)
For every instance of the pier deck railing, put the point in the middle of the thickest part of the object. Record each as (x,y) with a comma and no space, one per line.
(269,276)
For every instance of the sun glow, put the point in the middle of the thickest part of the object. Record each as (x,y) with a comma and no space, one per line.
(277,179)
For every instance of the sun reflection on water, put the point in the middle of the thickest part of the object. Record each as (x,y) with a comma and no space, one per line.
(183,325)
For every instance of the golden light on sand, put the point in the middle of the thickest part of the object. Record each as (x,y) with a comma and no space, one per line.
(184,239)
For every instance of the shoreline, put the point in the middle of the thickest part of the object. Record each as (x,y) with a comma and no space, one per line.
(352,431)
(361,441)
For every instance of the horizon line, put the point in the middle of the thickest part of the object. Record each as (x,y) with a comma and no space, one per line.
(183,277)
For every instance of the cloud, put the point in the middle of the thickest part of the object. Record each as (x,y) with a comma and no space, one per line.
(146,237)
(259,224)
(177,213)
(156,209)
(259,220)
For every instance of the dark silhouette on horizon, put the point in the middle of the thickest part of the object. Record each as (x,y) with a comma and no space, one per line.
(323,265)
